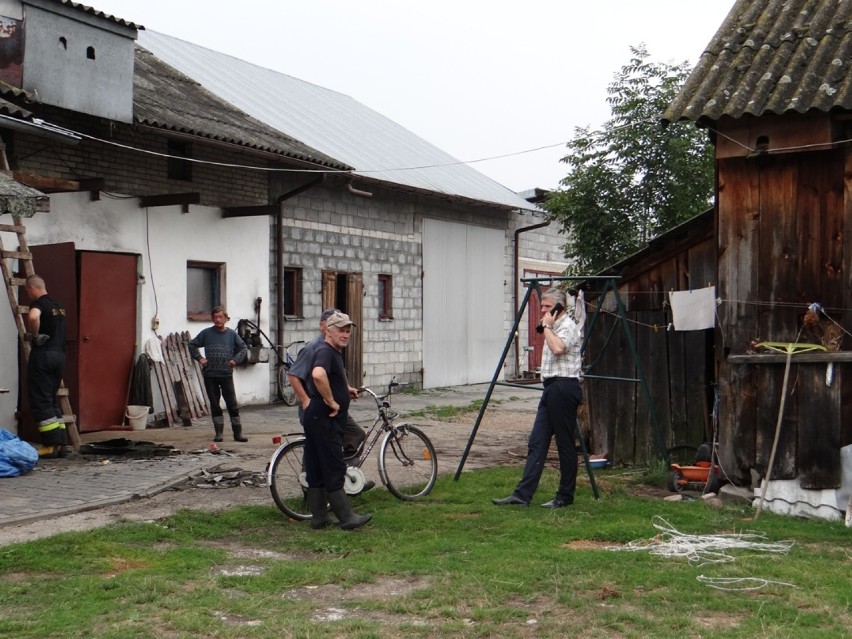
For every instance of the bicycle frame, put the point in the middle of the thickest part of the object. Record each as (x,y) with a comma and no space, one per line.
(385,416)
(407,461)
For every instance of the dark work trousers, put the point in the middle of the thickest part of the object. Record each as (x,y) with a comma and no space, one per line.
(324,464)
(44,375)
(556,416)
(221,388)
(353,434)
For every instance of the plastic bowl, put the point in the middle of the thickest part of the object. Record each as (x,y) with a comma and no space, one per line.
(598,463)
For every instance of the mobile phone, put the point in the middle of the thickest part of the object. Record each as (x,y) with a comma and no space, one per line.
(557,309)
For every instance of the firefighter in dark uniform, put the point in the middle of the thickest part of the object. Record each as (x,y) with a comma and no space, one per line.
(47,326)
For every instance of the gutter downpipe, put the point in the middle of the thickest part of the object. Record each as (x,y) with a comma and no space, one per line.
(279,254)
(517,286)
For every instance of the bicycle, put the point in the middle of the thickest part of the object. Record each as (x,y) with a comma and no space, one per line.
(286,392)
(408,465)
(251,333)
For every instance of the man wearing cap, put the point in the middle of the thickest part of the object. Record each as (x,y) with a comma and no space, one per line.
(299,374)
(324,423)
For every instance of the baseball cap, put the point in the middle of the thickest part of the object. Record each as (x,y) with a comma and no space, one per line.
(328,313)
(339,320)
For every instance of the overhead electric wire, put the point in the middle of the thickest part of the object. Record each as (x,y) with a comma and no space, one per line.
(408,168)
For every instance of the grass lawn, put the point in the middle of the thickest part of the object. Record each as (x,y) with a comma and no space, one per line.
(452,565)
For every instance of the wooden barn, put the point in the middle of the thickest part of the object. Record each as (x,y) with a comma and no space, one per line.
(676,366)
(774,90)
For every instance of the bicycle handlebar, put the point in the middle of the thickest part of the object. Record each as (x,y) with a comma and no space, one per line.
(379,398)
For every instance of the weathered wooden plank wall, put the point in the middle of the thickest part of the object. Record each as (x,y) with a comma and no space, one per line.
(781,223)
(678,366)
(737,273)
(775,246)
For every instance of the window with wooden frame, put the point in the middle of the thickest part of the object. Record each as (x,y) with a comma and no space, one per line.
(205,288)
(176,168)
(385,297)
(291,292)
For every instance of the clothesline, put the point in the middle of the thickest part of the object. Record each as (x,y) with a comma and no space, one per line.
(668,326)
(723,300)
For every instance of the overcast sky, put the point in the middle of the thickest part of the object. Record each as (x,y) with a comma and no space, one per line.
(477,78)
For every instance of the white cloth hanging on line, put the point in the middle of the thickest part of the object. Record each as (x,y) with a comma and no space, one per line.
(693,310)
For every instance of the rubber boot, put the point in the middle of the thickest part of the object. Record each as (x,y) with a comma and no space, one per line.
(63,445)
(46,451)
(218,428)
(53,437)
(237,426)
(343,509)
(318,505)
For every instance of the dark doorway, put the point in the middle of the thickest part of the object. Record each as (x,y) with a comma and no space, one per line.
(345,291)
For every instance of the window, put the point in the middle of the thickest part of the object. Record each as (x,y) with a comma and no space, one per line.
(178,169)
(292,292)
(205,288)
(385,297)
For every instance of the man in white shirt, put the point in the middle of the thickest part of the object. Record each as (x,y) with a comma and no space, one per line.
(561,366)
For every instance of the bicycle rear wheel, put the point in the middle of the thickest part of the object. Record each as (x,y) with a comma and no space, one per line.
(287,480)
(407,462)
(286,392)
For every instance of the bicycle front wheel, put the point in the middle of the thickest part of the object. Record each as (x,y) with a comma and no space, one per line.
(407,462)
(286,392)
(287,480)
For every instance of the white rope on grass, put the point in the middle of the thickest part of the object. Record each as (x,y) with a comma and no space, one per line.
(703,550)
(741,583)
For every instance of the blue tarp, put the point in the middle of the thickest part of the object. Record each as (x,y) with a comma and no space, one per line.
(17,457)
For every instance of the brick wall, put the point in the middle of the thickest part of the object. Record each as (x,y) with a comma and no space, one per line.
(131,172)
(329,229)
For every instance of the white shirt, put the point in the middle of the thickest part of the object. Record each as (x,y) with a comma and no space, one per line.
(570,363)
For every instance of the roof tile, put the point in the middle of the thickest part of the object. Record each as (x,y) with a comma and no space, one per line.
(772,56)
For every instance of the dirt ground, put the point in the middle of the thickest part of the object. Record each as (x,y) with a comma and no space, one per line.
(500,440)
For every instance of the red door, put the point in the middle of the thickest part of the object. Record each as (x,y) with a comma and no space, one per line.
(536,339)
(98,291)
(107,337)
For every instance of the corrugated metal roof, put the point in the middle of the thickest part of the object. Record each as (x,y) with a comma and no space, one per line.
(331,122)
(163,97)
(772,56)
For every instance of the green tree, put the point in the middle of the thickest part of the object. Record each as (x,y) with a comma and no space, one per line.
(632,179)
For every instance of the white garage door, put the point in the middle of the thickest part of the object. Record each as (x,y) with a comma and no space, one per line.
(463,303)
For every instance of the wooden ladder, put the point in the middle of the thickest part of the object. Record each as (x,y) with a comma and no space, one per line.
(25,260)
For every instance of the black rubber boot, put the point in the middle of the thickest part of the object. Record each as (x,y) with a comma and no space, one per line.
(318,505)
(237,426)
(218,428)
(343,509)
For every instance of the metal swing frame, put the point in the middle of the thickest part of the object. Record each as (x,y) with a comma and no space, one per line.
(534,284)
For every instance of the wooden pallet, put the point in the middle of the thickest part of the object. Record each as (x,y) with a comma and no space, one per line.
(179,380)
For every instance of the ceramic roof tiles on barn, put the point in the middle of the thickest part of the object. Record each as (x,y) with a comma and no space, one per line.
(772,56)
(165,98)
(333,123)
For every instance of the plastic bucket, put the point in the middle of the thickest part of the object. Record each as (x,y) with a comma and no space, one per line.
(137,416)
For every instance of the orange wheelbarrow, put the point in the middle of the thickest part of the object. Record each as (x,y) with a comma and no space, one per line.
(696,477)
